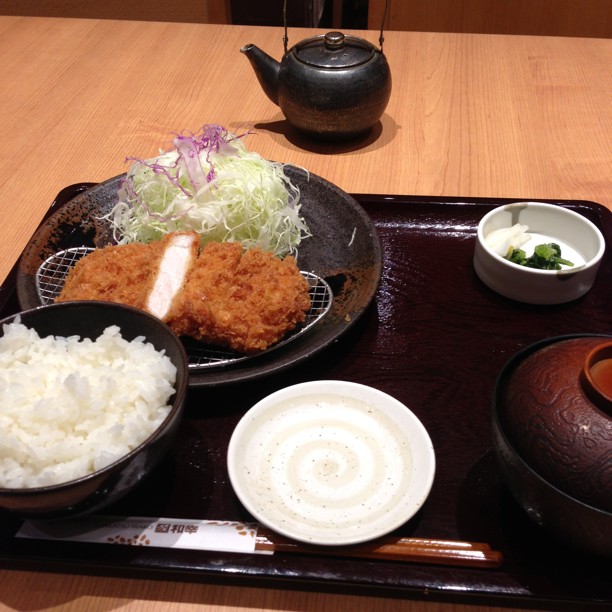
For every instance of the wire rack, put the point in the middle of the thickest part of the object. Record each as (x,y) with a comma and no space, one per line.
(52,273)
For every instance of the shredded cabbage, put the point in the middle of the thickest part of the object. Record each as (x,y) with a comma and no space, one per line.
(210,183)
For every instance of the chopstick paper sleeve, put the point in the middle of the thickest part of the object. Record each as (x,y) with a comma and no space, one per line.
(220,536)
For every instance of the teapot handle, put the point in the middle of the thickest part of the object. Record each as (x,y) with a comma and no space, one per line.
(381,38)
(382,25)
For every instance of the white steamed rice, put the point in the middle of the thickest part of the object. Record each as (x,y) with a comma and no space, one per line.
(71,406)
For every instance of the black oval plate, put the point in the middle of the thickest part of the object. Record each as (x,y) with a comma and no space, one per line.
(344,249)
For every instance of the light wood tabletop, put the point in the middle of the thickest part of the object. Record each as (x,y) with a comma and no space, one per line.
(469,116)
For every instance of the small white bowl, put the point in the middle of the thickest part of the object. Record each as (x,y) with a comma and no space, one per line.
(580,240)
(331,462)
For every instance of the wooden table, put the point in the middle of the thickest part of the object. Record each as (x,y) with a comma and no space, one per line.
(470,115)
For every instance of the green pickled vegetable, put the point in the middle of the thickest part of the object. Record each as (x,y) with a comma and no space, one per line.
(545,257)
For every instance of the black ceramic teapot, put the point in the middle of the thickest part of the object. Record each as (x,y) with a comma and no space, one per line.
(330,86)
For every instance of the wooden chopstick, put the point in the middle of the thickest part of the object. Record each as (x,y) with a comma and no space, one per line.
(419,550)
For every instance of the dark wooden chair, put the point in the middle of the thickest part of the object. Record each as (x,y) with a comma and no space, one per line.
(198,11)
(582,18)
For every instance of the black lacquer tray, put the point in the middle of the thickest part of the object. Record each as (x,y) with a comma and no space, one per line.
(436,339)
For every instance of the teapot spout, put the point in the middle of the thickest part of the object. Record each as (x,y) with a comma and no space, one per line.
(266,69)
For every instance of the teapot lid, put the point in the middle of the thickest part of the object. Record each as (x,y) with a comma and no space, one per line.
(334,50)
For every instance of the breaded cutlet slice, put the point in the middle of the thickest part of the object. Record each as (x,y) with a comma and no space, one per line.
(146,276)
(179,255)
(246,301)
(117,273)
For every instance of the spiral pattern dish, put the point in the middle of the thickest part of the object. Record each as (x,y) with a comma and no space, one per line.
(329,466)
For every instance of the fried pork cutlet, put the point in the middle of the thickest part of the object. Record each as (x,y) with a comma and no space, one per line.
(123,274)
(179,255)
(243,300)
(246,301)
(146,276)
